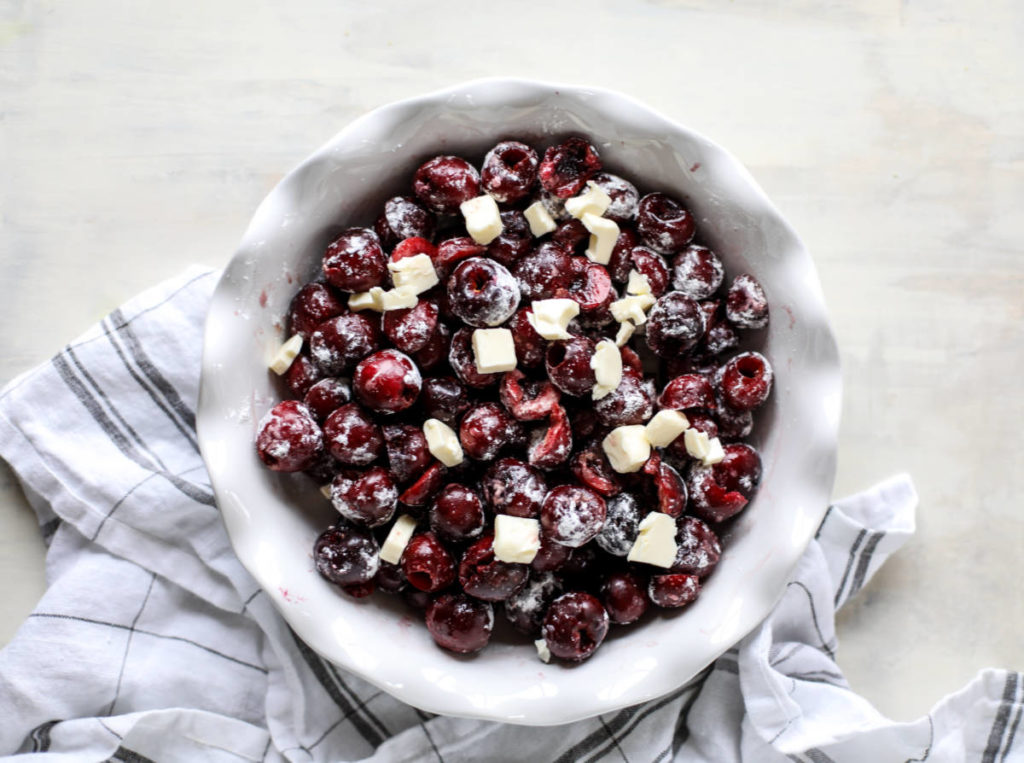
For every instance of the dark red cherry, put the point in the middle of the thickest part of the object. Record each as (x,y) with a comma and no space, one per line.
(313,304)
(629,403)
(346,555)
(404,217)
(482,293)
(527,399)
(651,266)
(514,488)
(422,490)
(697,272)
(459,623)
(427,564)
(621,525)
(509,171)
(514,241)
(568,365)
(454,250)
(544,271)
(408,455)
(687,391)
(574,626)
(486,430)
(746,381)
(674,325)
(445,182)
(338,343)
(411,329)
(530,346)
(526,607)
(664,224)
(551,446)
(591,468)
(483,576)
(457,513)
(354,261)
(387,381)
(721,491)
(673,590)
(368,499)
(697,548)
(623,194)
(568,166)
(572,515)
(436,349)
(624,597)
(444,398)
(326,396)
(288,438)
(746,305)
(352,436)
(301,375)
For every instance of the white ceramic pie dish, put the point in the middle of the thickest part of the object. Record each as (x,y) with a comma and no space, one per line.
(273,519)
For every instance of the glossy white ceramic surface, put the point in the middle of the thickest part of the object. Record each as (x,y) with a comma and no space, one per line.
(273,519)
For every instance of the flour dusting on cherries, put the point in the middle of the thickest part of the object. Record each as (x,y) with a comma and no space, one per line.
(459,398)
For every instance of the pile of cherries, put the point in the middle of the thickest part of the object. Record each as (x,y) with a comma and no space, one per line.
(365,382)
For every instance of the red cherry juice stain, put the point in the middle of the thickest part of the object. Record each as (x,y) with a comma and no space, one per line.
(263,298)
(792,318)
(288,276)
(695,167)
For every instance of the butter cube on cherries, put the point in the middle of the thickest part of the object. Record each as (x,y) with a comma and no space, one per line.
(283,358)
(483,219)
(592,201)
(540,220)
(493,351)
(516,539)
(399,537)
(656,542)
(627,448)
(443,443)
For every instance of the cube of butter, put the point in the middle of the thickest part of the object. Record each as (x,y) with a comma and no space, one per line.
(540,219)
(665,427)
(716,453)
(607,365)
(398,538)
(638,283)
(542,650)
(632,308)
(516,539)
(627,448)
(483,220)
(697,444)
(550,317)
(398,299)
(604,234)
(284,356)
(626,329)
(442,442)
(493,351)
(592,201)
(367,300)
(415,274)
(656,542)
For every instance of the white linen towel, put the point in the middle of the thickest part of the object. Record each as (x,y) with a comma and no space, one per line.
(153,643)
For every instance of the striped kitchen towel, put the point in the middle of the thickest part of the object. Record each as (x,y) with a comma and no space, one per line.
(153,643)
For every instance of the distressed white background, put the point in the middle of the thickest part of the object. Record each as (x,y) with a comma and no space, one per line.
(137,137)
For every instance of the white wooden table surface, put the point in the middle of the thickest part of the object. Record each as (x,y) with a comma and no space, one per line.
(136,138)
